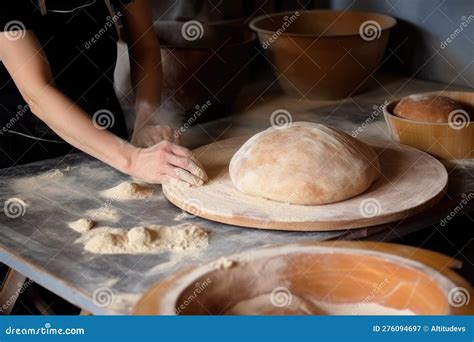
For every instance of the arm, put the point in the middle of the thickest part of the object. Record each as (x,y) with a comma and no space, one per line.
(28,65)
(146,75)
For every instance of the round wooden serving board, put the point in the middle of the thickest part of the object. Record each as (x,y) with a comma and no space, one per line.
(411,182)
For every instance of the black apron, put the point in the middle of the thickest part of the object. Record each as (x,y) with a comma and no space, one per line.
(79,37)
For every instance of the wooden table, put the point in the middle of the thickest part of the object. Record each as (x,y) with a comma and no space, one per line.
(40,246)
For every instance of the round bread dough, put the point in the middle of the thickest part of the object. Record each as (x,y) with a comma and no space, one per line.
(426,108)
(306,163)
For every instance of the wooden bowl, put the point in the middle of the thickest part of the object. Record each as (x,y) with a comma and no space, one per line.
(442,140)
(329,277)
(203,77)
(322,54)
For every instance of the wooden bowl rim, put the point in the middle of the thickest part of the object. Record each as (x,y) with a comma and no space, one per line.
(391,22)
(186,279)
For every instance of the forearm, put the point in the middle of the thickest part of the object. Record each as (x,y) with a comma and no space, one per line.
(72,124)
(146,77)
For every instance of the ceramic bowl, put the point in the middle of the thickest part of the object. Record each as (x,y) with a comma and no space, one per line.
(324,54)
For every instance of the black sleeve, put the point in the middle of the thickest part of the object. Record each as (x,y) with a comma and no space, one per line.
(16,15)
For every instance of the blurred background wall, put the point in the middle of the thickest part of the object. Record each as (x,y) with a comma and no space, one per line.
(420,42)
(434,39)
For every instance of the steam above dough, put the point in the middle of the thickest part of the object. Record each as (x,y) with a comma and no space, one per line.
(306,163)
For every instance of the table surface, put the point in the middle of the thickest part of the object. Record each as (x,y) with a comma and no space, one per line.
(41,246)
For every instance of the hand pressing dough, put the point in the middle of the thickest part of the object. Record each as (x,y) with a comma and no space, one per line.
(306,163)
(198,170)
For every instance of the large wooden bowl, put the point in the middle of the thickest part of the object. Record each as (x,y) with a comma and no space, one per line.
(324,54)
(339,272)
(443,140)
(202,78)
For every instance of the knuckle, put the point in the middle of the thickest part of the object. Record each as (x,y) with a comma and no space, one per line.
(163,144)
(161,154)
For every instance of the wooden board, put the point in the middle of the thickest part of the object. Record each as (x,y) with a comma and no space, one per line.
(412,181)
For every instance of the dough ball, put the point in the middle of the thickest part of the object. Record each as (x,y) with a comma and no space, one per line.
(306,163)
(426,108)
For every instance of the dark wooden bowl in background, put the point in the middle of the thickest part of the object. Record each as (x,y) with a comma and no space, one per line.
(212,68)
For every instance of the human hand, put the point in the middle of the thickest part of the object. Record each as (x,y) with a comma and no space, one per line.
(166,161)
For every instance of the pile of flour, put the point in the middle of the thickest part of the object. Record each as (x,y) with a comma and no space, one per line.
(82,225)
(128,191)
(184,238)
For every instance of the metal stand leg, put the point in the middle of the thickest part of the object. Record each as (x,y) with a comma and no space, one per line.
(10,291)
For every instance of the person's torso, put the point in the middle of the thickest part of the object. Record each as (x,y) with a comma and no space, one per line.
(79,38)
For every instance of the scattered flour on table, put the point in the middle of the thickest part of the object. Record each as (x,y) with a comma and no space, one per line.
(27,184)
(105,213)
(54,173)
(184,215)
(185,238)
(128,191)
(82,225)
